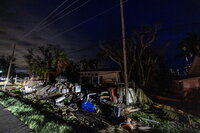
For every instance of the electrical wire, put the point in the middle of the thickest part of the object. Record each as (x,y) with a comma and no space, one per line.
(86,48)
(43,20)
(61,11)
(82,49)
(87,20)
(65,14)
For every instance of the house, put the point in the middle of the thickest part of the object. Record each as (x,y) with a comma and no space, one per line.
(191,81)
(185,84)
(100,76)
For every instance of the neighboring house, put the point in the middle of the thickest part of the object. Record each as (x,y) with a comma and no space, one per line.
(187,83)
(100,76)
(191,81)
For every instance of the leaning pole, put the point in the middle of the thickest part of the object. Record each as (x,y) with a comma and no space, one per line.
(9,68)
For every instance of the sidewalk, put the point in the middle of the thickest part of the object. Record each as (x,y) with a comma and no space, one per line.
(10,123)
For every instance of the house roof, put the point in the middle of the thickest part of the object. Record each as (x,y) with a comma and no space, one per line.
(102,70)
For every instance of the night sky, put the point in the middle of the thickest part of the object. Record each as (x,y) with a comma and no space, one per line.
(17,17)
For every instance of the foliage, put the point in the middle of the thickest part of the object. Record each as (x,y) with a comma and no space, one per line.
(189,46)
(59,61)
(17,90)
(142,63)
(4,64)
(34,119)
(171,114)
(72,71)
(89,64)
(166,121)
(45,60)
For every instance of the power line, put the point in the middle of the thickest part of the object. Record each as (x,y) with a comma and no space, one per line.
(87,20)
(82,49)
(86,48)
(62,11)
(43,20)
(65,14)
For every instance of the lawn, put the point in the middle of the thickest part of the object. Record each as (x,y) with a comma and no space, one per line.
(46,118)
(31,117)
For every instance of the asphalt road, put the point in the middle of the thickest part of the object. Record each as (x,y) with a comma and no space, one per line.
(10,123)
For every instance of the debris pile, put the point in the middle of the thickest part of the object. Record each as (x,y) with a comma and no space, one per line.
(103,111)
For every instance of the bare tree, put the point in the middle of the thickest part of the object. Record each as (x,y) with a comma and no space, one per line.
(139,58)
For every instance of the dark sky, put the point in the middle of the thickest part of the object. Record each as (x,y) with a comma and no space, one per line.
(17,17)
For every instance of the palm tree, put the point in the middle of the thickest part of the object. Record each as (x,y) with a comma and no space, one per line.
(60,61)
(189,47)
(48,59)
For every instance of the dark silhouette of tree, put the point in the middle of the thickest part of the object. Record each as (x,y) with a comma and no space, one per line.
(60,61)
(140,59)
(72,71)
(88,64)
(189,46)
(4,64)
(45,60)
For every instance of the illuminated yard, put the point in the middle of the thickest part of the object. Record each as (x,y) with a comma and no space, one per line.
(160,117)
(35,120)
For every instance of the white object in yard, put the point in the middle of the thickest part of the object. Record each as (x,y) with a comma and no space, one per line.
(27,89)
(120,92)
(90,94)
(60,99)
(77,88)
(103,96)
(60,104)
(145,129)
(151,120)
(42,90)
(131,95)
(104,93)
(64,91)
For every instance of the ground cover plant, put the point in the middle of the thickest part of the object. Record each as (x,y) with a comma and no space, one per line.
(86,121)
(35,120)
(162,118)
(166,119)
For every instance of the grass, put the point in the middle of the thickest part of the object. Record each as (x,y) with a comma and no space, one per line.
(167,121)
(34,119)
(165,118)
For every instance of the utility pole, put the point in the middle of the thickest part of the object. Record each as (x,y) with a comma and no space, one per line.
(124,52)
(9,68)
